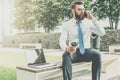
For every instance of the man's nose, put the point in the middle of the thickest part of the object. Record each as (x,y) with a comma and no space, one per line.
(83,11)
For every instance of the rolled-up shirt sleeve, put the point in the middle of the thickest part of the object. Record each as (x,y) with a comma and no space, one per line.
(63,37)
(96,28)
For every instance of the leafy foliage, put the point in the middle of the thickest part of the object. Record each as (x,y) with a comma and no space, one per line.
(48,14)
(24,20)
(110,9)
(30,14)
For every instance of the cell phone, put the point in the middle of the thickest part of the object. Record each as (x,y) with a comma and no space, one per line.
(85,14)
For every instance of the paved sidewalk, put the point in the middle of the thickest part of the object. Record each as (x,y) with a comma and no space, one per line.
(54,52)
(12,49)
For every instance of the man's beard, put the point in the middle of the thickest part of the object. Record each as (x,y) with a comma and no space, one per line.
(78,17)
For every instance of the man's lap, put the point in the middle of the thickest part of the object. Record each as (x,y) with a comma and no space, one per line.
(88,56)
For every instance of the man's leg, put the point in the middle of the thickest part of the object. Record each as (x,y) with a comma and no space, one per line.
(67,60)
(95,57)
(90,55)
(67,66)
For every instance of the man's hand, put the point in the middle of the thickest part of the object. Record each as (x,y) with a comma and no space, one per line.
(71,49)
(89,15)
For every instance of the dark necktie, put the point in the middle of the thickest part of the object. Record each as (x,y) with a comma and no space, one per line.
(80,36)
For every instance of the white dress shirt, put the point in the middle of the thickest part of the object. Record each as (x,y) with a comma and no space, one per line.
(70,31)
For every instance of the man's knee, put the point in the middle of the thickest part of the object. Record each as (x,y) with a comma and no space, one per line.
(65,55)
(97,54)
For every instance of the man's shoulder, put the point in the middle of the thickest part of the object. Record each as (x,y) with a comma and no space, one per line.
(67,22)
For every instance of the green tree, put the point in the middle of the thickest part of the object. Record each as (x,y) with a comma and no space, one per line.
(37,13)
(24,20)
(108,9)
(42,13)
(51,13)
(48,14)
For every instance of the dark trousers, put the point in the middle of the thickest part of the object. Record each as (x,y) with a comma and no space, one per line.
(90,55)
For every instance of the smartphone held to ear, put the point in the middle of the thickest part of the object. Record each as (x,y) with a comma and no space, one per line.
(85,14)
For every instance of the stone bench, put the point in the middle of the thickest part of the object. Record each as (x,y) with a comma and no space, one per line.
(114,48)
(27,45)
(55,72)
(49,73)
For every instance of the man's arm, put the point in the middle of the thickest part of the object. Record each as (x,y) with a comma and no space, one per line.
(95,27)
(63,38)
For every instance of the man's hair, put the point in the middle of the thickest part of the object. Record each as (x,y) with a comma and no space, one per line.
(77,2)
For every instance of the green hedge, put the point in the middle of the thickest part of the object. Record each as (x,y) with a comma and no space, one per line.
(48,40)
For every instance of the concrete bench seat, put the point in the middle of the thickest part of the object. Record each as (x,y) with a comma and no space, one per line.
(55,72)
(48,73)
(114,48)
(27,45)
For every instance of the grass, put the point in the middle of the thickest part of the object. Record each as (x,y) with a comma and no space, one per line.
(7,73)
(10,59)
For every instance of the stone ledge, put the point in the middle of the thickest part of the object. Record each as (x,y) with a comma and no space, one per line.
(114,47)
